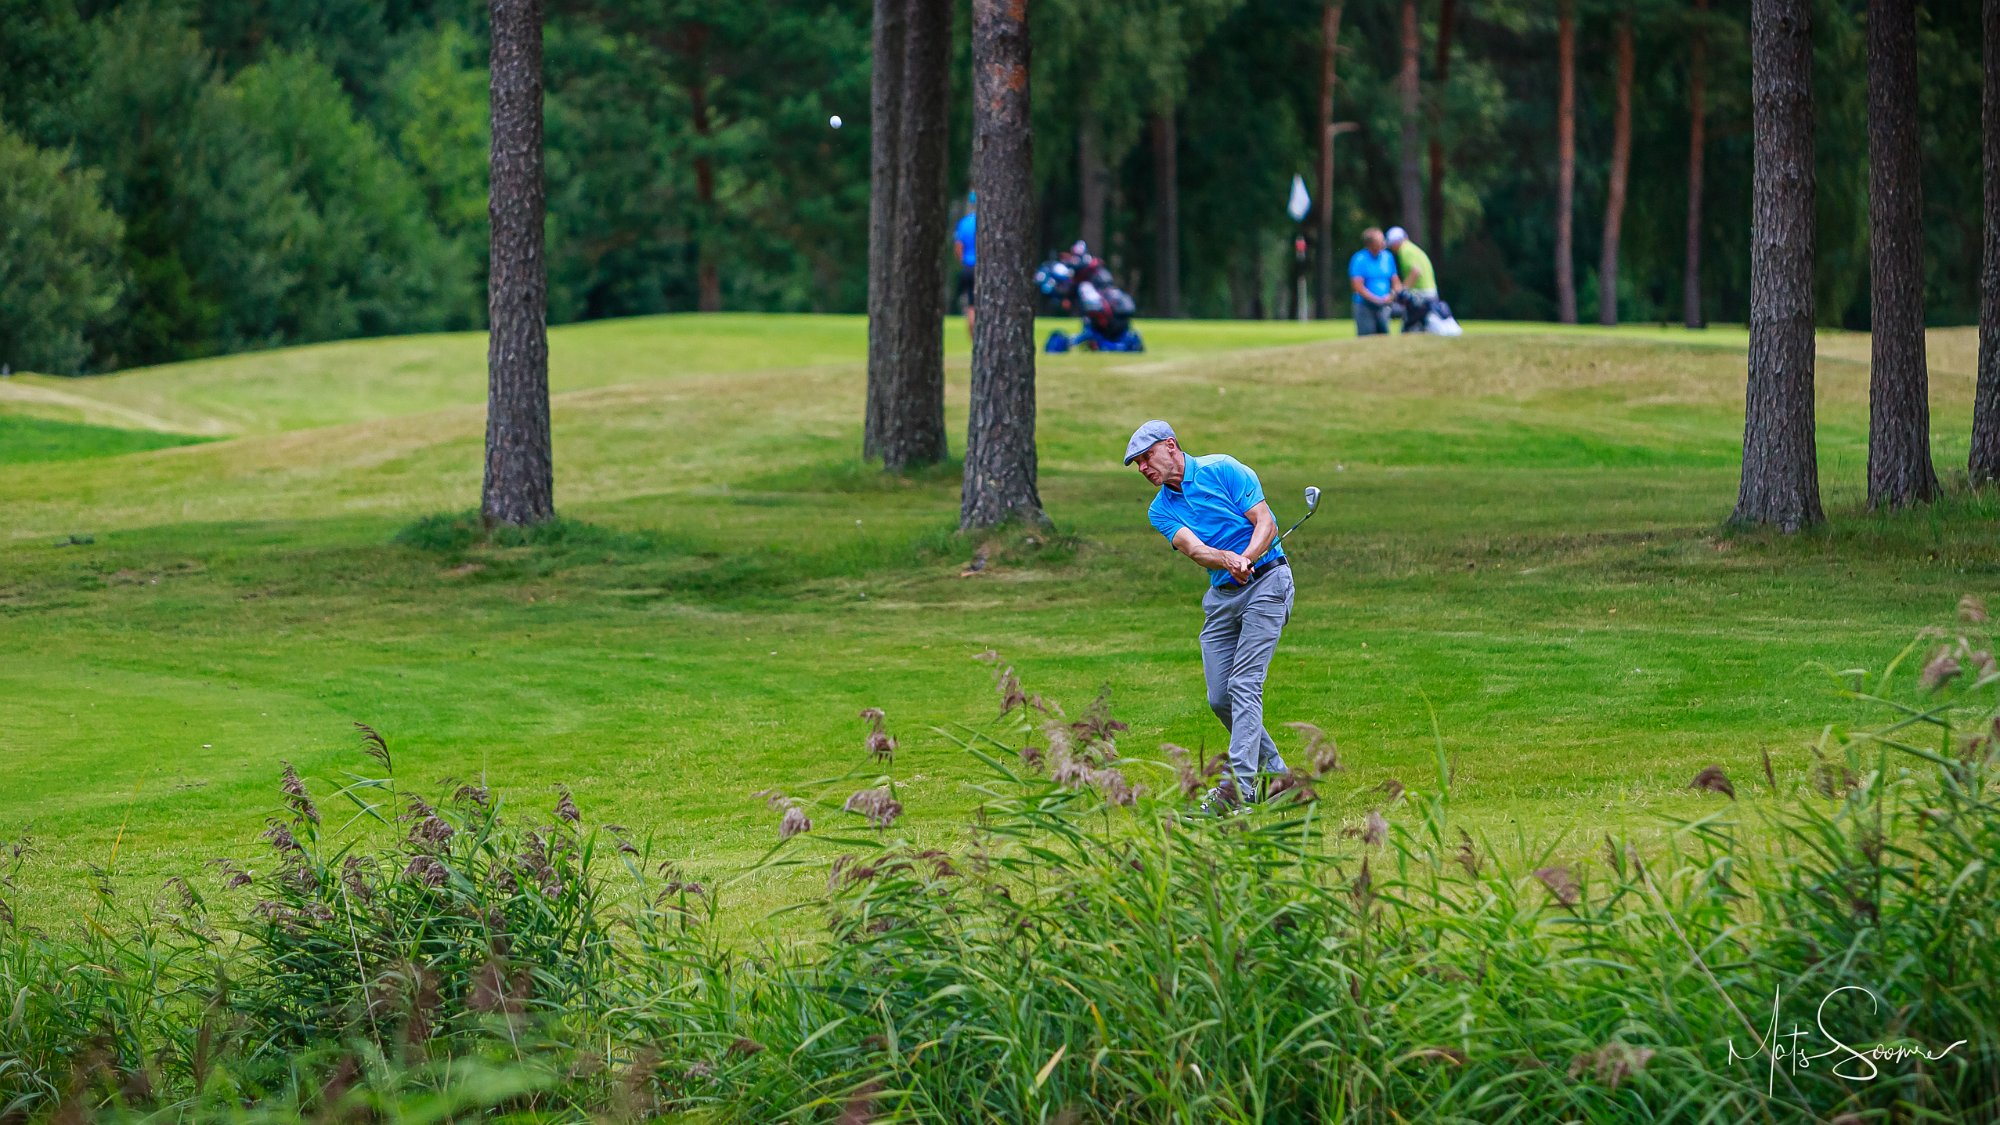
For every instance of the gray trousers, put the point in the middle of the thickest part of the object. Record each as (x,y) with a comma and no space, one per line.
(1238,637)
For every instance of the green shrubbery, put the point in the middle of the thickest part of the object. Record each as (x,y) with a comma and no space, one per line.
(1090,953)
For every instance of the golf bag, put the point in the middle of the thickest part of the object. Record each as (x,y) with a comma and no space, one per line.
(1075,281)
(1430,315)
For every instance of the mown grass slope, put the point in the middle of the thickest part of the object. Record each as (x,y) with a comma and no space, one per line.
(24,438)
(1521,535)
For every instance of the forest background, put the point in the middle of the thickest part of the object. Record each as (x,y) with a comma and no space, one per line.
(236,174)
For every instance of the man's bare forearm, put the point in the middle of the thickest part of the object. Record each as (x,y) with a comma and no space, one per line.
(1204,554)
(1187,543)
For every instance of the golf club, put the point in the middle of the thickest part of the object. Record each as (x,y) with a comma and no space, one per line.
(1312,505)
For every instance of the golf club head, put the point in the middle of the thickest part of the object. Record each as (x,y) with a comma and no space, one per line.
(1312,497)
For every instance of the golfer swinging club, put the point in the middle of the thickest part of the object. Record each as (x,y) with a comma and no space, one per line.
(1212,509)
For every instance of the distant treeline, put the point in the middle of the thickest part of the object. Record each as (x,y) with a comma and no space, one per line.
(184,178)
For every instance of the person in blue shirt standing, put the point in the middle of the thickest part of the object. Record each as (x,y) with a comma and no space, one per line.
(964,241)
(1212,509)
(1372,272)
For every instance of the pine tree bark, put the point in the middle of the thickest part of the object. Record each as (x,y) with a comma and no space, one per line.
(912,431)
(1565,160)
(1329,44)
(1093,181)
(1000,467)
(1984,461)
(1411,170)
(519,487)
(1258,309)
(1899,422)
(1780,483)
(1697,152)
(1434,212)
(708,277)
(885,140)
(1621,164)
(1167,217)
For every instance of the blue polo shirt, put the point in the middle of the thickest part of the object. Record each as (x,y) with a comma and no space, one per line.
(1216,491)
(1375,271)
(966,234)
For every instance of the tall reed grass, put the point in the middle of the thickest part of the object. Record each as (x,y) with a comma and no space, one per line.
(1092,952)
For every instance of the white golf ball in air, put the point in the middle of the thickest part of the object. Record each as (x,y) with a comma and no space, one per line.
(834,121)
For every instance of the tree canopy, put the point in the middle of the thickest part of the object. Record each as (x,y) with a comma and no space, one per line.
(280,171)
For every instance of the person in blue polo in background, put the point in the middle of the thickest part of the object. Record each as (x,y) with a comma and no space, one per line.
(1212,509)
(1372,272)
(964,240)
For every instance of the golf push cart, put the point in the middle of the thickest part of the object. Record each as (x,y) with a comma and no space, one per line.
(1077,281)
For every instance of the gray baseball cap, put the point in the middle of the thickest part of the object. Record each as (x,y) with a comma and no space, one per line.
(1145,437)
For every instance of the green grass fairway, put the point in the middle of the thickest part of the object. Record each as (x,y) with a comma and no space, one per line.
(24,438)
(1520,531)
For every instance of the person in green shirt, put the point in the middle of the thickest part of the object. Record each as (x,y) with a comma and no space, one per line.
(1413,264)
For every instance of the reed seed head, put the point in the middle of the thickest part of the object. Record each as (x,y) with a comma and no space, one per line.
(1713,780)
(793,823)
(295,795)
(878,805)
(1941,670)
(1561,884)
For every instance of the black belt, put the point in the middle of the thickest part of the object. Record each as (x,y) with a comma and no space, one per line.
(1257,572)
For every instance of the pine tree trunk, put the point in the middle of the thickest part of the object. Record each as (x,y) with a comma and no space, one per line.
(1411,169)
(708,278)
(1780,485)
(1984,462)
(1092,180)
(885,140)
(1239,294)
(1000,433)
(1167,220)
(1697,151)
(912,432)
(1434,213)
(1565,160)
(1329,43)
(1258,309)
(1899,423)
(1621,164)
(520,477)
